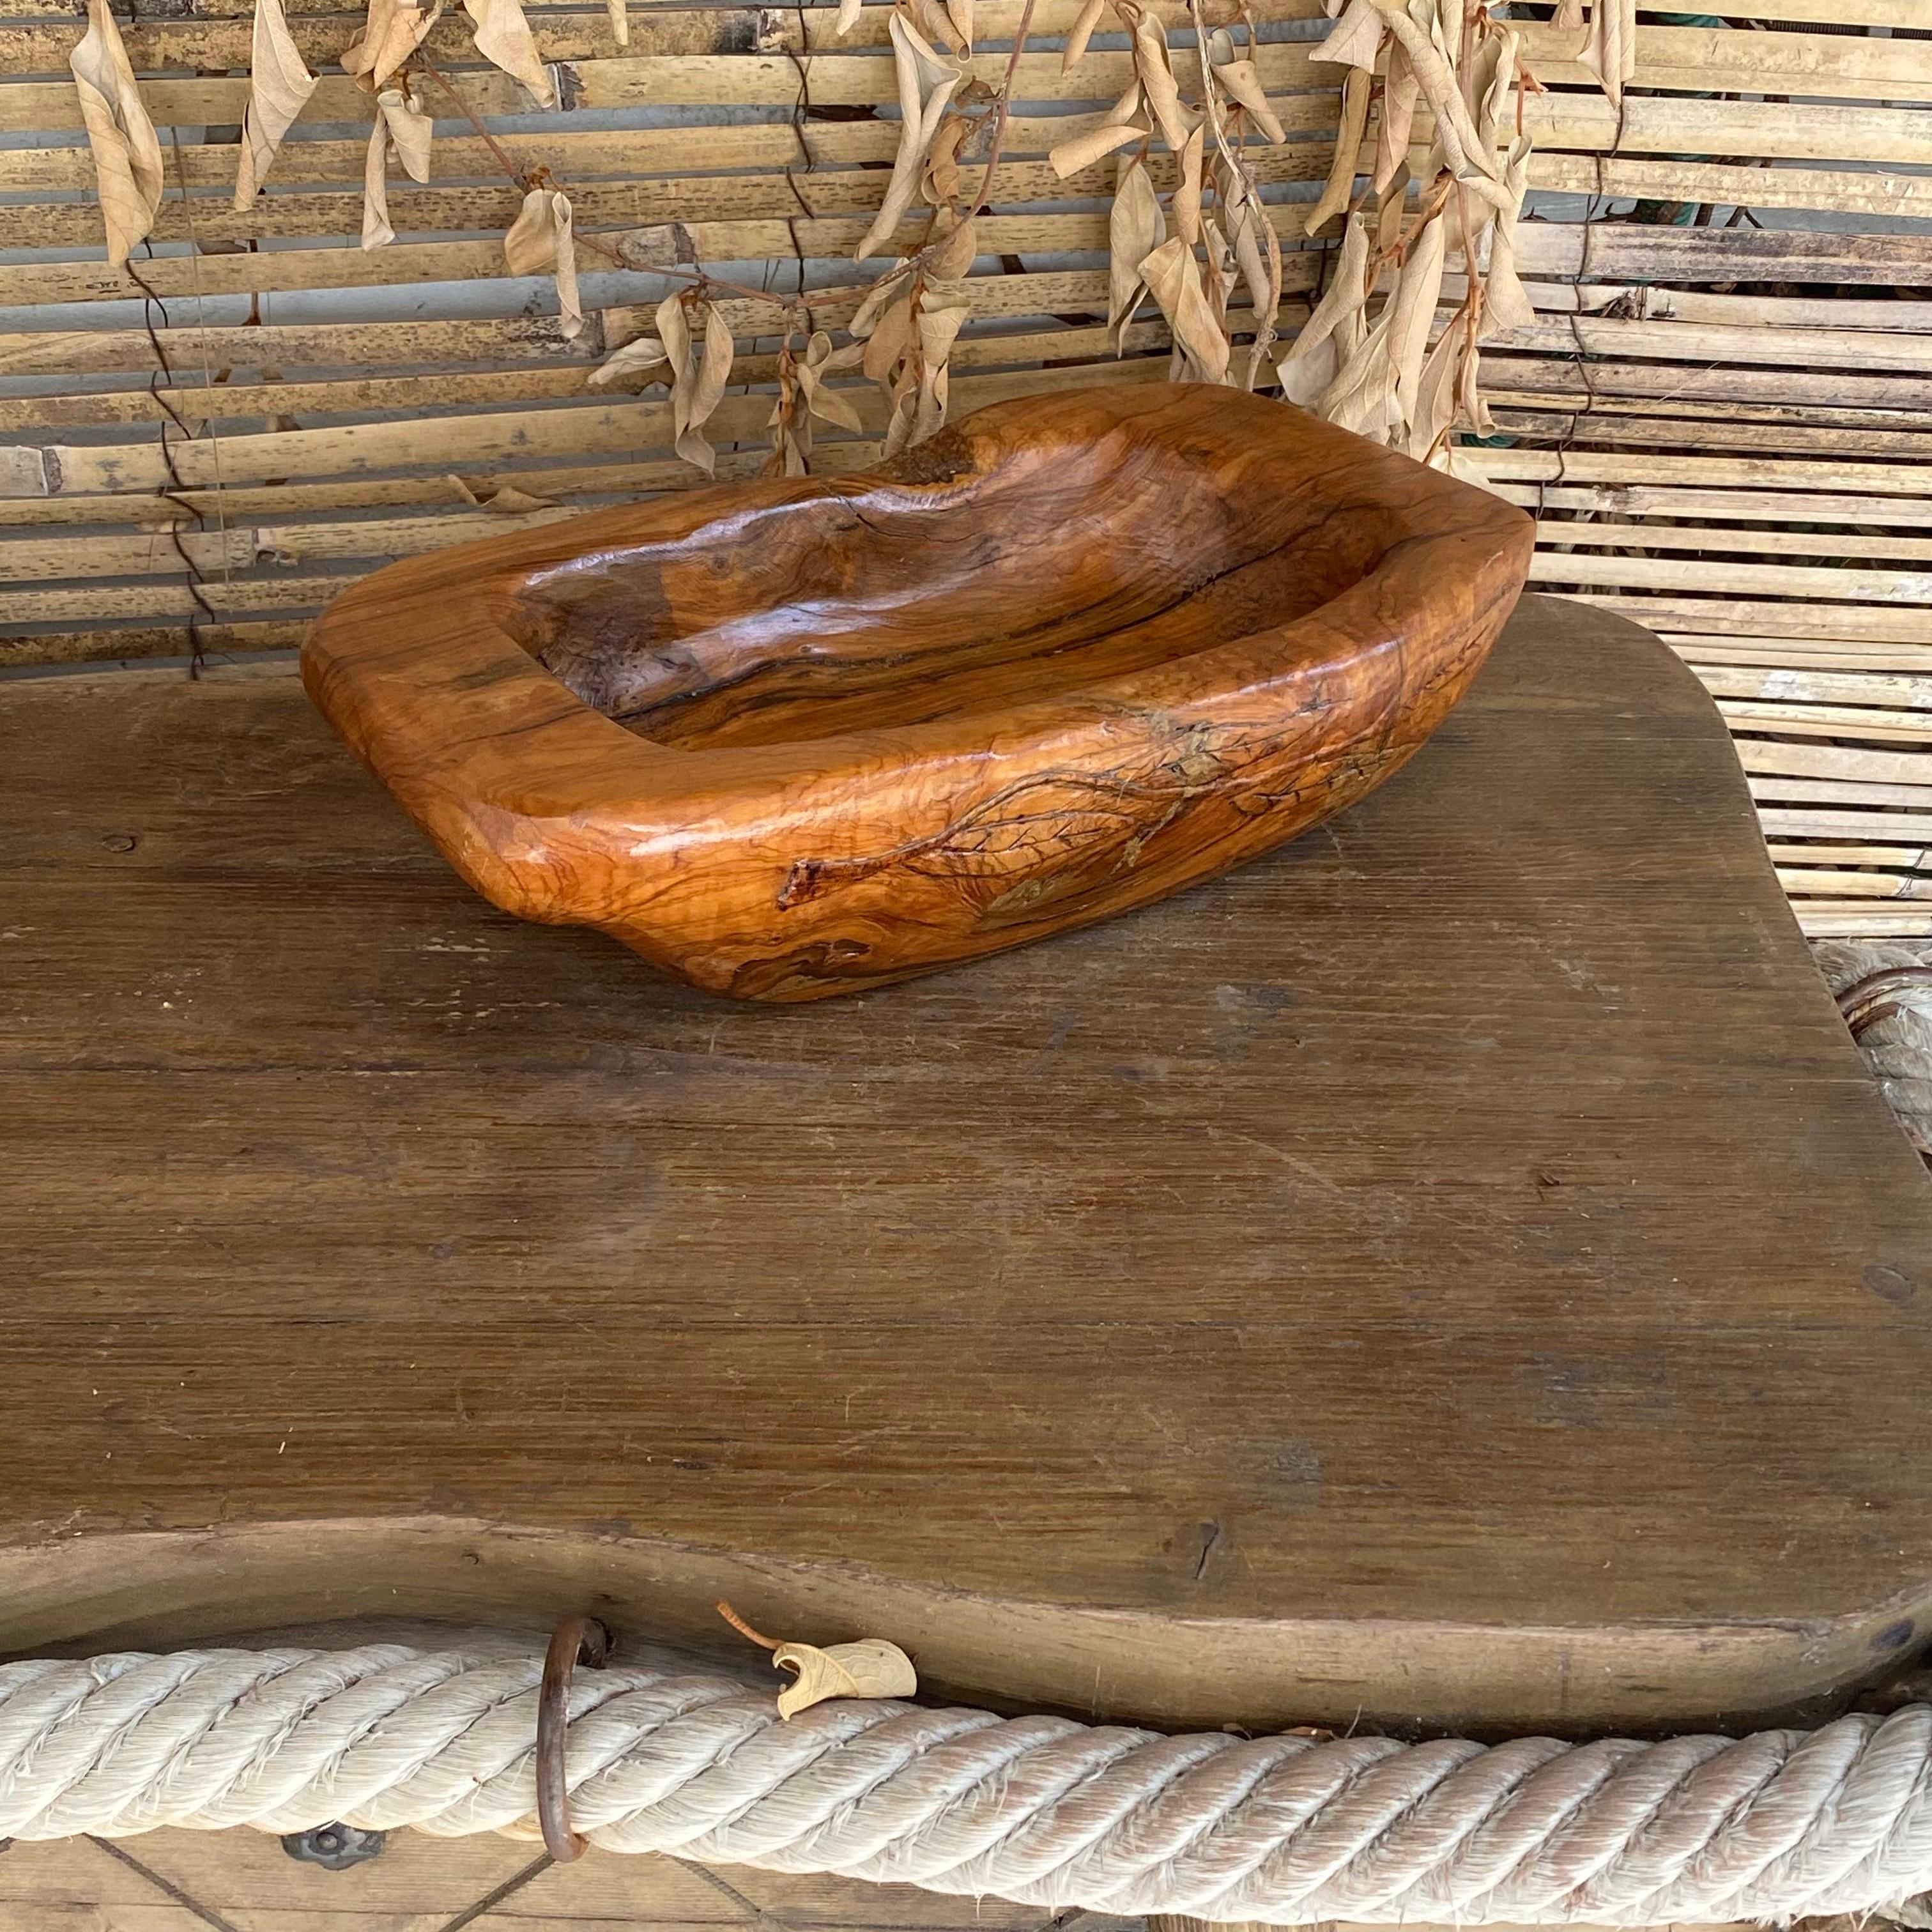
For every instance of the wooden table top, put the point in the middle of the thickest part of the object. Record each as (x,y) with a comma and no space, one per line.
(1456,1269)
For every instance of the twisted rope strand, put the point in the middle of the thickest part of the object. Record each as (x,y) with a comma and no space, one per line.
(663,1756)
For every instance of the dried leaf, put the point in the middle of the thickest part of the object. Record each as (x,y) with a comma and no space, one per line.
(635,358)
(1355,40)
(127,152)
(620,21)
(893,334)
(1244,84)
(1505,305)
(1471,161)
(403,132)
(505,499)
(1494,79)
(1340,187)
(1173,277)
(503,37)
(870,1668)
(960,13)
(926,84)
(699,390)
(390,33)
(1568,18)
(1185,203)
(1314,359)
(1435,392)
(1412,310)
(848,15)
(1155,74)
(1610,52)
(540,241)
(279,86)
(1399,94)
(1362,396)
(1136,227)
(1083,150)
(830,406)
(953,252)
(1084,22)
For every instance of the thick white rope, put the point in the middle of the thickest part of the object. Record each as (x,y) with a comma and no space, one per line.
(663,1755)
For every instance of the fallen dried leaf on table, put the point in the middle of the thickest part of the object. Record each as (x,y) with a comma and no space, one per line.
(540,241)
(635,358)
(390,33)
(279,86)
(870,1668)
(402,133)
(926,84)
(503,37)
(127,152)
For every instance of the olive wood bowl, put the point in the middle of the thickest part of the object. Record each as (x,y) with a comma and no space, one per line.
(788,739)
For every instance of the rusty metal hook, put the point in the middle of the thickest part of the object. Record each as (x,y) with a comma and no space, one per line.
(576,1640)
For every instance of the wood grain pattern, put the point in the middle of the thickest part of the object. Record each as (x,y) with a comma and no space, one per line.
(1072,655)
(1454,1269)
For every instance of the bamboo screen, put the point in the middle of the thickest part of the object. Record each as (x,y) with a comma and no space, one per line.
(1718,410)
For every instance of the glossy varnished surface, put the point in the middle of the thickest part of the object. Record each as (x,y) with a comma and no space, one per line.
(1455,1267)
(792,739)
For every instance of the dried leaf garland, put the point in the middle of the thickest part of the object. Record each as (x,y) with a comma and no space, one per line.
(926,84)
(541,241)
(1400,93)
(402,132)
(279,86)
(127,152)
(390,33)
(503,37)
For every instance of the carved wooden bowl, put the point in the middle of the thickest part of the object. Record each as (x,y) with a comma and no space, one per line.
(788,739)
